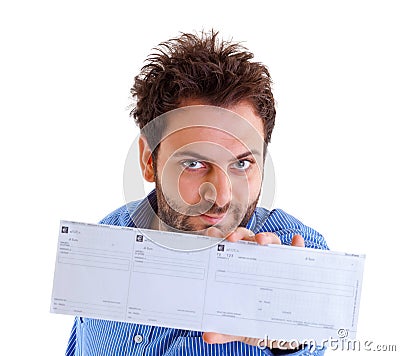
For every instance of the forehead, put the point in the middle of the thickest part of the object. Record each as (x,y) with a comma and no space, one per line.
(236,129)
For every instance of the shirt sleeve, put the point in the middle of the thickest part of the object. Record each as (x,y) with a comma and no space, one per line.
(286,226)
(72,341)
(118,217)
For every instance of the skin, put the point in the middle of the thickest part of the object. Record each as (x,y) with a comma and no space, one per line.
(214,196)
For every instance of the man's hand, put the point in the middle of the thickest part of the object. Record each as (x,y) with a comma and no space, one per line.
(262,238)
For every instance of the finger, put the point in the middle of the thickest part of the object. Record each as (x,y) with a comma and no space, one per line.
(241,233)
(298,241)
(214,232)
(266,238)
(215,338)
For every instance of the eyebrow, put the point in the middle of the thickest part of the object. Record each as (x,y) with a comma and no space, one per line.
(200,157)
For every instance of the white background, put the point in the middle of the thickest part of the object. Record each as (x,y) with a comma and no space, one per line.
(66,69)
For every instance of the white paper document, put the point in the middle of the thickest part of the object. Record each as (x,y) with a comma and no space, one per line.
(279,292)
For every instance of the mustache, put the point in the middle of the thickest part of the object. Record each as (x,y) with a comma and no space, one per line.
(203,208)
(217,210)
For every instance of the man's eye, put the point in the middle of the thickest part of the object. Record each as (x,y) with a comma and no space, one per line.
(193,164)
(242,165)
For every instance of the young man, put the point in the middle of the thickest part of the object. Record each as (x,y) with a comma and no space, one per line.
(206,114)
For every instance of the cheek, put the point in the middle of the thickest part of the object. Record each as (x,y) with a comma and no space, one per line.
(167,176)
(247,188)
(177,186)
(189,189)
(255,189)
(255,180)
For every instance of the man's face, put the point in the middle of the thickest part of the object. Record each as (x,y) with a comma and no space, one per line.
(209,174)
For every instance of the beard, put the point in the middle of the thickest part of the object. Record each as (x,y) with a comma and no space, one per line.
(172,218)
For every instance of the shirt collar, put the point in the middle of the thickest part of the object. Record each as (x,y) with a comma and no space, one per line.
(143,215)
(251,225)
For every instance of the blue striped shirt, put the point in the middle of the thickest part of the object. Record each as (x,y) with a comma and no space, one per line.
(94,337)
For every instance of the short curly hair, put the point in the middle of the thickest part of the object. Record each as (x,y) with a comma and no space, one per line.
(201,66)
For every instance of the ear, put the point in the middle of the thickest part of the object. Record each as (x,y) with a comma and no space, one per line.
(146,160)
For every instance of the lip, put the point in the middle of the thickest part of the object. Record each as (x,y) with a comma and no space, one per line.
(212,219)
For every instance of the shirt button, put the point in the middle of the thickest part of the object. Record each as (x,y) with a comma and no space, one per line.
(138,338)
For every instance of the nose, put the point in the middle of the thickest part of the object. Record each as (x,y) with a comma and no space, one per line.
(218,189)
